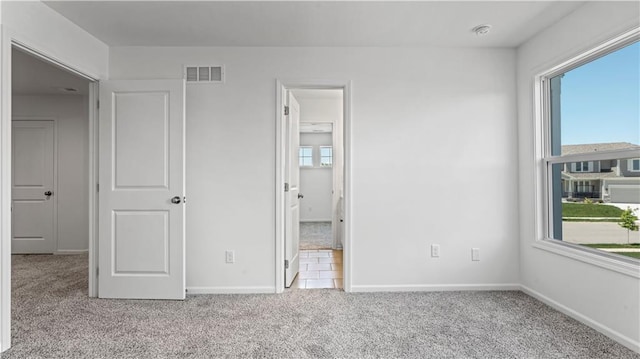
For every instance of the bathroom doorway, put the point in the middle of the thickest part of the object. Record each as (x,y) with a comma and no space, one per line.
(321,170)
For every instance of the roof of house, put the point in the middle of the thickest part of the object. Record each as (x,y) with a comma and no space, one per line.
(590,175)
(596,147)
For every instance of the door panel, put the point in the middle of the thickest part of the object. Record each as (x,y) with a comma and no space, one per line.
(141,241)
(33,175)
(292,200)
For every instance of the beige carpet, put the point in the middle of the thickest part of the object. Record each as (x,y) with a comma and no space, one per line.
(54,318)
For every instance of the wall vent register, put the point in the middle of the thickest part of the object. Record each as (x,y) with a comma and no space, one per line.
(204,74)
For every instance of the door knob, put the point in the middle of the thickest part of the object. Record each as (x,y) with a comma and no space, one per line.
(300,195)
(176,200)
(48,193)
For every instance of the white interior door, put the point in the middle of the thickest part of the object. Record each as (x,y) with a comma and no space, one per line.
(292,196)
(141,242)
(33,197)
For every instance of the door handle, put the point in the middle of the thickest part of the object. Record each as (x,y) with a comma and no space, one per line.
(300,195)
(48,193)
(176,200)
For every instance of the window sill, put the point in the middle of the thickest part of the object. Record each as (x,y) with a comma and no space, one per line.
(627,266)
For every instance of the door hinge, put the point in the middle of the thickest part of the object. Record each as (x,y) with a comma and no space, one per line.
(98,271)
(286,110)
(286,264)
(97,187)
(98,104)
(286,187)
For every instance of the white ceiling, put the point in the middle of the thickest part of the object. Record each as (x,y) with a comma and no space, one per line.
(32,76)
(312,23)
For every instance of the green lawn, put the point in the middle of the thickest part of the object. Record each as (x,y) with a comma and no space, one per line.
(613,245)
(590,210)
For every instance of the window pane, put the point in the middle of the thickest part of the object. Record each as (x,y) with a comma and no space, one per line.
(597,103)
(306,156)
(326,156)
(586,207)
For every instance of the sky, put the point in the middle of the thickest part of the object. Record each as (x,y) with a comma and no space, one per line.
(600,101)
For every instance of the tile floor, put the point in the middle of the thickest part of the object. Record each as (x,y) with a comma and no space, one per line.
(319,268)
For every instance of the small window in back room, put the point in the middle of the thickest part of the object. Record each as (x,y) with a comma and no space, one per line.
(592,149)
(326,156)
(306,156)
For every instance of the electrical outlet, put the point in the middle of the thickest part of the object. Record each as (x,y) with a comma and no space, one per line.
(435,250)
(475,254)
(230,256)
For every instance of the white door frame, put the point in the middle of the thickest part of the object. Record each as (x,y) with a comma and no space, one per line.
(8,41)
(281,87)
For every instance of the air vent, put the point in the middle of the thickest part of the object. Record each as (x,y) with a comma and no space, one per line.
(204,74)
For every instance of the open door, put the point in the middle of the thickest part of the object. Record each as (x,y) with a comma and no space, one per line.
(141,190)
(292,191)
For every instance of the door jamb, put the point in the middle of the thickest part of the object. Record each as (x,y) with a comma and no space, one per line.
(281,87)
(8,41)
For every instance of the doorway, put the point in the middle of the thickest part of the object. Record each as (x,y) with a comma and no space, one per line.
(51,151)
(320,252)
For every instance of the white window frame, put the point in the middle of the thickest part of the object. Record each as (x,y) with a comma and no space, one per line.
(630,164)
(320,156)
(300,157)
(544,215)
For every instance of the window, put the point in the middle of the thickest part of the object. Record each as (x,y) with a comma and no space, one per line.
(306,156)
(326,156)
(591,127)
(584,166)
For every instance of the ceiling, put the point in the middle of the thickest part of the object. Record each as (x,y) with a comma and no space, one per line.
(287,23)
(313,23)
(32,76)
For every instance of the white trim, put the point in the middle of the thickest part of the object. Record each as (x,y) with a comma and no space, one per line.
(230,290)
(610,261)
(435,287)
(5,190)
(618,337)
(328,220)
(281,86)
(93,192)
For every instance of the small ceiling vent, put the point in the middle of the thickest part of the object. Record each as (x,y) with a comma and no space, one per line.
(204,74)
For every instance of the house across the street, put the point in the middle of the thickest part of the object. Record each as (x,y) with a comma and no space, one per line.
(613,180)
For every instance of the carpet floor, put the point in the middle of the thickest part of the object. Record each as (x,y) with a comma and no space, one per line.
(54,318)
(316,235)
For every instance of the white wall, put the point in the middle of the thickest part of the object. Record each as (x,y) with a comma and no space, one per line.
(70,113)
(36,25)
(316,183)
(603,298)
(427,133)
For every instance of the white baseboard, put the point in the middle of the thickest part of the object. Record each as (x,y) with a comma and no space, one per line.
(315,220)
(71,251)
(230,290)
(618,337)
(433,288)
